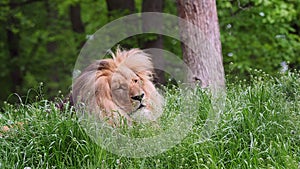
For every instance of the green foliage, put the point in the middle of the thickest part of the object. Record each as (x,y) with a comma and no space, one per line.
(258,129)
(259,34)
(48,46)
(254,34)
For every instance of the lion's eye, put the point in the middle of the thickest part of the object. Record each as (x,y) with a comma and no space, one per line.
(135,80)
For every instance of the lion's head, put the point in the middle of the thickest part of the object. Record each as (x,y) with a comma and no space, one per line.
(120,87)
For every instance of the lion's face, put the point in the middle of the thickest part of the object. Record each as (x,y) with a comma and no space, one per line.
(121,86)
(127,91)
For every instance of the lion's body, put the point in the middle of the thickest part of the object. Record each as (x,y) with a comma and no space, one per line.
(120,87)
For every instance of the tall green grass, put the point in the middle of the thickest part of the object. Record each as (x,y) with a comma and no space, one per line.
(259,128)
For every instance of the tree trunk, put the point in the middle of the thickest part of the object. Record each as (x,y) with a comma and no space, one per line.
(13,43)
(205,57)
(120,8)
(75,17)
(154,6)
(123,6)
(76,21)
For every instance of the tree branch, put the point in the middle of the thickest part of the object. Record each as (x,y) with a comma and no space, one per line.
(242,8)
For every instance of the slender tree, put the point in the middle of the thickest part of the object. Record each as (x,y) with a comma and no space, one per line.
(123,6)
(13,43)
(117,9)
(76,21)
(75,17)
(205,57)
(154,6)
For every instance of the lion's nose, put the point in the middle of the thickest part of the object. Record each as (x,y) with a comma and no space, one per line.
(139,97)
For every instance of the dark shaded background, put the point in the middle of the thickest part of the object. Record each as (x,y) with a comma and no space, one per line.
(41,39)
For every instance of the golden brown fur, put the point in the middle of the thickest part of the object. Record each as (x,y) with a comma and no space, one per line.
(119,88)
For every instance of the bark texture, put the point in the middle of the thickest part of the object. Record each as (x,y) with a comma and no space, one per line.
(202,52)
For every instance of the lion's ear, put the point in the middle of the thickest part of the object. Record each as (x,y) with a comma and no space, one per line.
(103,65)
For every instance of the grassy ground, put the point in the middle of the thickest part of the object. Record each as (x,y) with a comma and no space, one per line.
(260,128)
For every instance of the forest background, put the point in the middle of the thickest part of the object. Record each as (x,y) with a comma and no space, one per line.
(40,40)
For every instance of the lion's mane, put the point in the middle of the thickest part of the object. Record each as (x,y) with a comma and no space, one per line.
(92,89)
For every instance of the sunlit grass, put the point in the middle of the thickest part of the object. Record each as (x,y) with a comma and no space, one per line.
(260,128)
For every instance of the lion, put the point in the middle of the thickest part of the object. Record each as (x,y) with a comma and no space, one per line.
(120,88)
